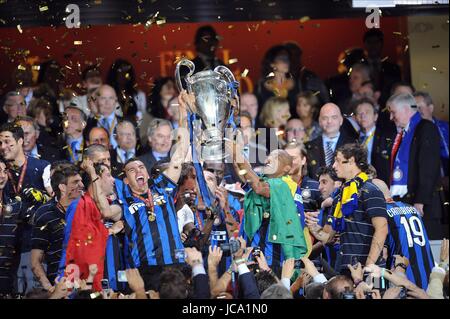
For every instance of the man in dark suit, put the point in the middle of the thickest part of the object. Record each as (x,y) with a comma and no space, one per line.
(416,162)
(73,143)
(31,145)
(321,150)
(377,142)
(159,136)
(106,102)
(206,43)
(383,72)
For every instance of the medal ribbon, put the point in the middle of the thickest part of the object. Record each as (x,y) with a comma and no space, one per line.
(148,201)
(22,176)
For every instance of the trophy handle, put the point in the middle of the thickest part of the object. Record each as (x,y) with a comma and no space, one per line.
(190,65)
(226,72)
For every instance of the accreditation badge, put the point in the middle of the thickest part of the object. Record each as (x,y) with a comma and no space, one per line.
(397,175)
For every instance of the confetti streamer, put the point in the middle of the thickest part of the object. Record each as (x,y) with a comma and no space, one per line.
(244,73)
(304,19)
(19,28)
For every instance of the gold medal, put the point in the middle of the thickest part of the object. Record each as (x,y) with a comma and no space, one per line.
(152,217)
(266,215)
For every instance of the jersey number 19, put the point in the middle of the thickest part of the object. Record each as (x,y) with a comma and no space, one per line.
(414,230)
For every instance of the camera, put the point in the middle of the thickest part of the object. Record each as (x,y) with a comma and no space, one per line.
(368,295)
(348,295)
(298,264)
(193,238)
(232,246)
(311,205)
(256,252)
(403,293)
(105,284)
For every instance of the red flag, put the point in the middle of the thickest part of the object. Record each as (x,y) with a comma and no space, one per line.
(85,239)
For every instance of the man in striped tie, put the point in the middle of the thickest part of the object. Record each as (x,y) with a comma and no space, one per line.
(126,139)
(321,150)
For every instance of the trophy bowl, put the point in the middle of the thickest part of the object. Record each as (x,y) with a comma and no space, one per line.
(214,92)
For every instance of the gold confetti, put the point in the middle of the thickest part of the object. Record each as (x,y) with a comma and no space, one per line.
(244,73)
(19,28)
(397,33)
(43,8)
(230,26)
(434,68)
(118,48)
(77,42)
(316,93)
(161,21)
(21,67)
(271,74)
(164,38)
(304,19)
(242,172)
(232,61)
(406,48)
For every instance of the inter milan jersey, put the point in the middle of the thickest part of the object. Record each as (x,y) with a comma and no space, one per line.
(10,236)
(152,241)
(408,237)
(48,235)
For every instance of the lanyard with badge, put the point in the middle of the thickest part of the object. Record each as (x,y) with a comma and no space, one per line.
(72,152)
(18,188)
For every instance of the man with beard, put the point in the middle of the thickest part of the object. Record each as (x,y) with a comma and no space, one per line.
(151,226)
(49,222)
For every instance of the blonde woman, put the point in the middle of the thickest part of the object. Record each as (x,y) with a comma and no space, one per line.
(274,115)
(307,109)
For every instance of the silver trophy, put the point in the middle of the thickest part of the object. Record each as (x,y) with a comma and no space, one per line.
(214,93)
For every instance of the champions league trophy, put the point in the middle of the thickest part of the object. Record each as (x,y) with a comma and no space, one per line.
(214,92)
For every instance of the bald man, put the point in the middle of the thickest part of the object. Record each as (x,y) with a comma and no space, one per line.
(106,103)
(321,150)
(99,136)
(271,215)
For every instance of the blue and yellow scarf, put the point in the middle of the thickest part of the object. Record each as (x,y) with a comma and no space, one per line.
(347,200)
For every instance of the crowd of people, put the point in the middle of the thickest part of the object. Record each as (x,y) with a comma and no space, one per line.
(330,189)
